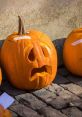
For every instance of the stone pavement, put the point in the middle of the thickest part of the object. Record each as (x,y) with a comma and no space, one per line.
(63,98)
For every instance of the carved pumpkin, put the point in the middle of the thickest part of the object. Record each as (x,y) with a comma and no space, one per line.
(72,52)
(29,59)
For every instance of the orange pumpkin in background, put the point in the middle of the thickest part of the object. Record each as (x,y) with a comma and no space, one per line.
(0,76)
(72,52)
(29,59)
(0,68)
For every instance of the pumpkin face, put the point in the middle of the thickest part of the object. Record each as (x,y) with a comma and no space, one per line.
(30,60)
(72,52)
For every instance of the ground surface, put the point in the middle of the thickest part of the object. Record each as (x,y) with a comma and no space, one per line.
(63,98)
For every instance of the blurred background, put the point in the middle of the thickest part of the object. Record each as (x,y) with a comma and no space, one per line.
(57,18)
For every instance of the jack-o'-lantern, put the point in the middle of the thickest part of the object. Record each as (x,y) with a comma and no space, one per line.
(72,52)
(29,59)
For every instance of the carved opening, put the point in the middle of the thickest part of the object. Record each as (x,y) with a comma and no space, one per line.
(45,51)
(31,56)
(44,68)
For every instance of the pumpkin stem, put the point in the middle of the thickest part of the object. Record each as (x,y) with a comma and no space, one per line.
(21,27)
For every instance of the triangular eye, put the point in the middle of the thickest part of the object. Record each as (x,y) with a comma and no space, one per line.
(45,51)
(31,56)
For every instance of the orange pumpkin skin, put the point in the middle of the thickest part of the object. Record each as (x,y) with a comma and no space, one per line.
(0,69)
(30,60)
(72,52)
(4,112)
(0,76)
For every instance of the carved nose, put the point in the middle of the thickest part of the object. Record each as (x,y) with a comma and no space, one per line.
(38,53)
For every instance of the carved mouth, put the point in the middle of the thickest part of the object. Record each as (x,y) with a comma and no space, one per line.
(45,68)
